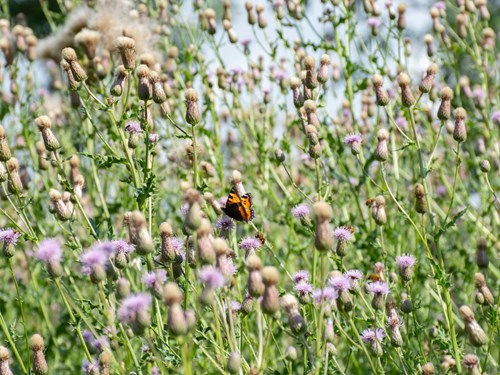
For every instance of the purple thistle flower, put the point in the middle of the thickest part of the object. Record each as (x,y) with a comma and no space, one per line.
(133,127)
(326,294)
(303,288)
(495,117)
(352,139)
(88,337)
(92,258)
(90,367)
(339,283)
(155,371)
(370,336)
(401,122)
(212,277)
(134,305)
(280,75)
(151,279)
(9,236)
(378,287)
(246,42)
(478,93)
(177,243)
(153,138)
(301,276)
(225,224)
(49,251)
(235,306)
(342,234)
(301,211)
(101,343)
(374,22)
(185,208)
(405,261)
(354,275)
(122,246)
(250,243)
(440,5)
(231,267)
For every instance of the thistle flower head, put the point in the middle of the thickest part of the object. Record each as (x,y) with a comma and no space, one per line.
(92,258)
(9,236)
(369,335)
(326,294)
(303,288)
(339,283)
(225,224)
(378,287)
(405,261)
(133,127)
(301,211)
(250,243)
(352,139)
(342,234)
(133,306)
(301,276)
(354,275)
(49,251)
(212,277)
(152,279)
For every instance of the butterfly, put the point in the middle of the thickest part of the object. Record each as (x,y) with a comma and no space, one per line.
(239,208)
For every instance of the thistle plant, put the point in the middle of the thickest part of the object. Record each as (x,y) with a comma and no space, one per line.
(250,187)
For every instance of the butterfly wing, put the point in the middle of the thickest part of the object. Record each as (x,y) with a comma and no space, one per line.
(239,208)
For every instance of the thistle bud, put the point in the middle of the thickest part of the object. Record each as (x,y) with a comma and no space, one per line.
(261,19)
(255,285)
(270,303)
(192,112)
(139,234)
(40,366)
(382,98)
(312,117)
(476,334)
(5,153)
(69,55)
(120,78)
(382,152)
(88,39)
(295,321)
(105,363)
(401,23)
(298,99)
(194,215)
(50,141)
(460,130)
(483,293)
(428,81)
(122,288)
(206,252)
(444,111)
(482,254)
(291,353)
(428,40)
(420,199)
(234,363)
(427,369)
(407,98)
(323,239)
(14,184)
(471,364)
(211,22)
(231,33)
(378,210)
(252,19)
(311,81)
(489,37)
(43,163)
(5,361)
(126,47)
(322,76)
(61,209)
(144,88)
(483,9)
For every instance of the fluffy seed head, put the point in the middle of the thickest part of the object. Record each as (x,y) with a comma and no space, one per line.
(270,275)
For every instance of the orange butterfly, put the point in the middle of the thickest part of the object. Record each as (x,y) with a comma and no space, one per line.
(239,208)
